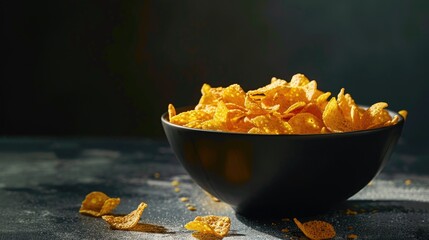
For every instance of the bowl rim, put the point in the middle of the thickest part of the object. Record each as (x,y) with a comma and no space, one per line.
(392,113)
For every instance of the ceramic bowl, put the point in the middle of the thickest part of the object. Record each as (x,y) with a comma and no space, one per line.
(260,175)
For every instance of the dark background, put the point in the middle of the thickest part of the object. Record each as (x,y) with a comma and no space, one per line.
(109,68)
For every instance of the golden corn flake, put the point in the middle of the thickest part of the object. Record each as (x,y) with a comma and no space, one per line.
(281,107)
(214,225)
(375,116)
(127,221)
(171,111)
(305,123)
(191,208)
(334,119)
(268,124)
(98,204)
(199,227)
(313,109)
(403,113)
(234,94)
(189,116)
(316,229)
(210,97)
(275,86)
(322,100)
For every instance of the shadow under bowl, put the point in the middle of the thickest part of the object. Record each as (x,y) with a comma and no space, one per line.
(282,175)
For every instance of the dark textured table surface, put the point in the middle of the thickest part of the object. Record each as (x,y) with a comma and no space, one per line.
(44,180)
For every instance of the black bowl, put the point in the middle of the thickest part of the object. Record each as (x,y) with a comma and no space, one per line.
(272,175)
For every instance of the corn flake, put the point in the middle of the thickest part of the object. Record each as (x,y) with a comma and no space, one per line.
(211,225)
(128,221)
(305,123)
(316,229)
(334,119)
(98,204)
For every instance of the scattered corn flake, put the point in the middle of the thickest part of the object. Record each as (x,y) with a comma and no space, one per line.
(128,221)
(176,189)
(375,116)
(200,226)
(184,199)
(316,229)
(403,113)
(352,236)
(334,119)
(192,208)
(285,230)
(215,225)
(98,204)
(189,116)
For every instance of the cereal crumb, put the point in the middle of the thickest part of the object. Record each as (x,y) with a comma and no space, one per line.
(177,189)
(192,208)
(184,199)
(285,230)
(175,183)
(407,182)
(352,236)
(215,199)
(350,212)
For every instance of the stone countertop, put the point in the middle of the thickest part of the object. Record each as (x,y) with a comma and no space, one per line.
(44,180)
